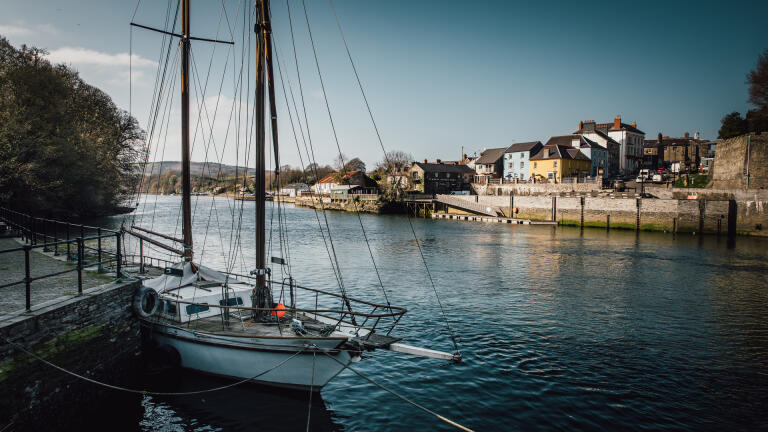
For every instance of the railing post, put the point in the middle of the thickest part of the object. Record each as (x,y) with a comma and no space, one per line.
(80,256)
(27,281)
(33,222)
(141,255)
(98,233)
(55,238)
(45,236)
(69,253)
(118,255)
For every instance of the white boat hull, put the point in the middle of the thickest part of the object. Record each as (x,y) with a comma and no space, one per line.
(241,357)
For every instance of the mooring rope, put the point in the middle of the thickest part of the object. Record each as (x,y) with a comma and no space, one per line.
(147,392)
(398,395)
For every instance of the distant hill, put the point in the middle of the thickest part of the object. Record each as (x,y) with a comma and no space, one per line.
(209,169)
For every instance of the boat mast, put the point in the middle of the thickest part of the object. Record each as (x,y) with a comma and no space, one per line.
(186,189)
(261,294)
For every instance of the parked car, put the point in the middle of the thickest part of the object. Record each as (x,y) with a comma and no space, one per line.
(619,186)
(657,178)
(643,176)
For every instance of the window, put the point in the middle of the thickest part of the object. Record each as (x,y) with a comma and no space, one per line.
(232,301)
(522,164)
(170,308)
(534,165)
(196,308)
(555,164)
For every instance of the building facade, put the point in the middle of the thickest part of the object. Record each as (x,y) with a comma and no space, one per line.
(553,163)
(629,138)
(438,178)
(597,154)
(517,160)
(490,164)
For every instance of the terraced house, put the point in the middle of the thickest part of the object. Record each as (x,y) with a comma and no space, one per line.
(555,162)
(517,160)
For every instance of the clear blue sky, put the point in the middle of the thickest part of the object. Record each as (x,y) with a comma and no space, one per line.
(445,74)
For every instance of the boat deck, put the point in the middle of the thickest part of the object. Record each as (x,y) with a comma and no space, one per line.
(246,327)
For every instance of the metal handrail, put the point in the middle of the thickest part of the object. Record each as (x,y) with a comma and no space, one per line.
(28,226)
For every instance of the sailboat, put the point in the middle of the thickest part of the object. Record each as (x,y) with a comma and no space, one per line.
(230,324)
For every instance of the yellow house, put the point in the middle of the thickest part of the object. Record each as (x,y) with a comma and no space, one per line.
(554,162)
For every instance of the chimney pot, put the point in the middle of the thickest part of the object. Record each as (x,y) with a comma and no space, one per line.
(687,135)
(633,124)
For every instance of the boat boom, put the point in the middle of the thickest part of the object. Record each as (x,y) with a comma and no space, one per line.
(424,352)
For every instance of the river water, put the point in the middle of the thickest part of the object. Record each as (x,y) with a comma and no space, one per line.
(560,329)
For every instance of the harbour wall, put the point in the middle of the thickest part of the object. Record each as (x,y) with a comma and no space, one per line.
(678,215)
(95,335)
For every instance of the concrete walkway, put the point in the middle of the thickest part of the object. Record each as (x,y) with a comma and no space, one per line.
(12,299)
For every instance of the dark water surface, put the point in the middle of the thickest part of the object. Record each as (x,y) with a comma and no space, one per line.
(560,329)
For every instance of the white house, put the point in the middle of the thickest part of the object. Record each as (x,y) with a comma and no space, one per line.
(628,136)
(294,189)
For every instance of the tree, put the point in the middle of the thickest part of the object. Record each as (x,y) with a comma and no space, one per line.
(64,145)
(757,121)
(758,83)
(355,165)
(394,161)
(732,125)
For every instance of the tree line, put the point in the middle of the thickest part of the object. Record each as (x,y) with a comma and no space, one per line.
(755,120)
(65,148)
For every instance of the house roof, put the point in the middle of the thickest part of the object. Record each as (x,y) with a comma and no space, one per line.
(436,167)
(624,126)
(566,140)
(295,186)
(559,151)
(491,156)
(331,178)
(667,141)
(524,146)
(600,133)
(609,126)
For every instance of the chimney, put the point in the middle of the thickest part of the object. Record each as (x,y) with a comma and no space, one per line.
(687,135)
(465,156)
(581,125)
(633,124)
(438,161)
(617,122)
(425,161)
(659,138)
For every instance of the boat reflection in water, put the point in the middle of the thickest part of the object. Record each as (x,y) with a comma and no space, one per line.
(244,407)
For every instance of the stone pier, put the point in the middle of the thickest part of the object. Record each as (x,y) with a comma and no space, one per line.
(94,334)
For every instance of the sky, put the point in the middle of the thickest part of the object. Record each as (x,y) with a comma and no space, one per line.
(440,76)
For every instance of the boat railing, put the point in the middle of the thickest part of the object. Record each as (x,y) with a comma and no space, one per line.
(376,315)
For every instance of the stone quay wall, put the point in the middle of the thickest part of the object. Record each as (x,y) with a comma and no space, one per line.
(736,157)
(94,335)
(651,214)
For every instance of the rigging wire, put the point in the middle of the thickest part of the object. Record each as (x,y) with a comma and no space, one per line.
(335,136)
(309,149)
(147,392)
(398,395)
(381,143)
